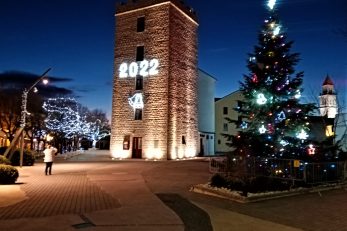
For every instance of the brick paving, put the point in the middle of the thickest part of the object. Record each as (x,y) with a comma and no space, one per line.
(326,211)
(59,194)
(86,188)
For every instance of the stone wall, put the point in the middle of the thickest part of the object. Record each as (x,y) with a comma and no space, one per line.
(170,97)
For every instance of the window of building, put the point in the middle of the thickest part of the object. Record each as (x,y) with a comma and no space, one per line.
(219,142)
(225,127)
(139,82)
(140,53)
(239,105)
(141,24)
(138,114)
(225,110)
(183,140)
(156,143)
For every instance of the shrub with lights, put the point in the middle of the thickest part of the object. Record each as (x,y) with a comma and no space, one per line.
(273,122)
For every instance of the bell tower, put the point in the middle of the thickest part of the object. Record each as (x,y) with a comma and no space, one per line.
(154,107)
(328,106)
(327,99)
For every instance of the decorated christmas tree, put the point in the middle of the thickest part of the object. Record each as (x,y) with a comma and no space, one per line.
(272,122)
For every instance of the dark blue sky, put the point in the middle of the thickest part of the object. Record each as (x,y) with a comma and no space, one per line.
(76,39)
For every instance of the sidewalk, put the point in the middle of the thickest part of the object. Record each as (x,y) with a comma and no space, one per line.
(108,195)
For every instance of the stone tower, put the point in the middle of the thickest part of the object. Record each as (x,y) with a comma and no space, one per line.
(154,108)
(327,99)
(328,106)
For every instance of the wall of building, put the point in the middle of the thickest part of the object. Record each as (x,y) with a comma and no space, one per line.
(206,113)
(170,97)
(154,124)
(222,126)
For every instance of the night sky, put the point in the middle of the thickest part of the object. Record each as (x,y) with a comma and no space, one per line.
(76,39)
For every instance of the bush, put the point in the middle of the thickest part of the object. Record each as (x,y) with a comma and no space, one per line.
(8,174)
(4,160)
(218,181)
(3,150)
(28,158)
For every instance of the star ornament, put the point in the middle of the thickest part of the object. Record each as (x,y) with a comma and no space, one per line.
(271,4)
(302,135)
(262,129)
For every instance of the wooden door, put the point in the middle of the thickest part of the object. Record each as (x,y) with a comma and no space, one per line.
(137,148)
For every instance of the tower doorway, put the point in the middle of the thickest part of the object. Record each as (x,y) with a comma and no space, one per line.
(137,148)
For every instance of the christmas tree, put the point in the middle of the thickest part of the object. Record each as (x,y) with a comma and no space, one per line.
(272,122)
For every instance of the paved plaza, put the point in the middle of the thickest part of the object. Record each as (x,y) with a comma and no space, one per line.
(89,191)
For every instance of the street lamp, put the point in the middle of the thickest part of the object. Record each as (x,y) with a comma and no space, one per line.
(24,111)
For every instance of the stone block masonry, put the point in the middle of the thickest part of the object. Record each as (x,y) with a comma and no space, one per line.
(169,127)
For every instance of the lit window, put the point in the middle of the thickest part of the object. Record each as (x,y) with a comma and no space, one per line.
(329,131)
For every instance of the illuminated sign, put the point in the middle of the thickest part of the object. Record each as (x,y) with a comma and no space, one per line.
(136,101)
(143,68)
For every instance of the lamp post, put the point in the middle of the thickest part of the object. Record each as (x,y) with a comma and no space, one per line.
(24,111)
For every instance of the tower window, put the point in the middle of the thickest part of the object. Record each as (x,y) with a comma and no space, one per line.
(141,24)
(140,53)
(138,114)
(183,140)
(139,82)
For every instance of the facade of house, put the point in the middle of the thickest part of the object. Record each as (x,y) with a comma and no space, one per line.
(224,108)
(206,113)
(155,92)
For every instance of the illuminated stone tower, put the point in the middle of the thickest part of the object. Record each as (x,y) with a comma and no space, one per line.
(154,108)
(328,106)
(327,99)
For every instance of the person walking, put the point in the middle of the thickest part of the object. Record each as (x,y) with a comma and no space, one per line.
(49,152)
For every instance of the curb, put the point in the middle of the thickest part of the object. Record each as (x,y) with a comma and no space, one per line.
(233,195)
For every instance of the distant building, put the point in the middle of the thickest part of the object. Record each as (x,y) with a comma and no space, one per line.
(206,113)
(327,100)
(224,108)
(331,123)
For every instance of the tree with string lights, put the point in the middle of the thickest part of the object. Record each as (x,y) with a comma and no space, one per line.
(272,122)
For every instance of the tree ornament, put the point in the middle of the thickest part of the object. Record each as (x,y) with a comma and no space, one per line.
(261,100)
(302,135)
(311,150)
(271,4)
(280,117)
(262,129)
(244,125)
(255,78)
(268,81)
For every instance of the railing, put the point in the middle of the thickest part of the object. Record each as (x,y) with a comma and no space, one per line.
(286,169)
